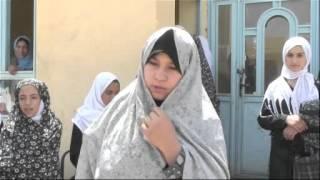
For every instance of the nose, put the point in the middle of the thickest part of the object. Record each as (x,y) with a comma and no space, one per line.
(27,101)
(161,75)
(295,59)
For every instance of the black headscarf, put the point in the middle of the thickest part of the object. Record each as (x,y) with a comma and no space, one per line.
(166,44)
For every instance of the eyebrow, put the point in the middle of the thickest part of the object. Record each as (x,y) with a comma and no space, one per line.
(302,52)
(30,95)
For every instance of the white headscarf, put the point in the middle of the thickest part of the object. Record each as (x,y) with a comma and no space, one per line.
(304,89)
(26,38)
(114,147)
(38,116)
(3,116)
(22,37)
(93,104)
(289,44)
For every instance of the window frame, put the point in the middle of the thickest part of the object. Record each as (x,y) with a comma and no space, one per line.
(5,49)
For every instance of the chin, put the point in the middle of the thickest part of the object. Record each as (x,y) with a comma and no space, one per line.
(159,98)
(29,115)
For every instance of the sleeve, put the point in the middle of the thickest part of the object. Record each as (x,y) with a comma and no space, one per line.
(75,146)
(310,112)
(84,168)
(175,171)
(6,154)
(52,153)
(269,121)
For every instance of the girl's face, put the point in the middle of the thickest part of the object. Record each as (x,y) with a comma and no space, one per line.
(29,100)
(109,93)
(21,49)
(161,76)
(296,59)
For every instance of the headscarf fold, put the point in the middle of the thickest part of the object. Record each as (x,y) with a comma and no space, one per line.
(206,74)
(279,95)
(93,105)
(114,147)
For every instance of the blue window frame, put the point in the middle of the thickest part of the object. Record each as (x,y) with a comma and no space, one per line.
(16,19)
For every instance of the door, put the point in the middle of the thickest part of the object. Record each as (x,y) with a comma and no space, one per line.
(248,37)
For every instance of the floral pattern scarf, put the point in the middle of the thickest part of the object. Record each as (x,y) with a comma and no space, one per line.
(29,149)
(113,147)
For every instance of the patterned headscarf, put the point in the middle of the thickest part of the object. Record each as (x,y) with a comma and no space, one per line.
(113,147)
(17,114)
(29,149)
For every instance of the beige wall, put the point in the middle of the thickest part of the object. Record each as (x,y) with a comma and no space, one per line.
(188,15)
(188,10)
(76,39)
(204,18)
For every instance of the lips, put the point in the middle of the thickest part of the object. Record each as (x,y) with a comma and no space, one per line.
(295,67)
(28,111)
(158,89)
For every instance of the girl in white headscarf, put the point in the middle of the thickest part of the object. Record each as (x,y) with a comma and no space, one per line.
(162,125)
(281,104)
(105,86)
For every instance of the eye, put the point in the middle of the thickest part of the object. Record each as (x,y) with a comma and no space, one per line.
(290,55)
(108,92)
(300,55)
(153,62)
(173,67)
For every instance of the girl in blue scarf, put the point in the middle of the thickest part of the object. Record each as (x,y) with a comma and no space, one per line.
(23,55)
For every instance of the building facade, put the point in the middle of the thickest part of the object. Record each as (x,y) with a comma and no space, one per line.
(73,40)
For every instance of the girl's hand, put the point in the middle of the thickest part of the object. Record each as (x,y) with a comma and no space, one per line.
(296,122)
(12,69)
(289,133)
(159,131)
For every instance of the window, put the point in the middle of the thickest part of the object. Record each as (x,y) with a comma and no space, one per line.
(16,45)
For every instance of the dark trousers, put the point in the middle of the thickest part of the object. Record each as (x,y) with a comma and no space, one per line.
(75,146)
(281,160)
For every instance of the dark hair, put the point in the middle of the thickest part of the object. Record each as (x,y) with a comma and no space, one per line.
(166,44)
(116,81)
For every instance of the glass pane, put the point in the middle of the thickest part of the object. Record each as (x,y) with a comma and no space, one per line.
(253,12)
(250,65)
(275,38)
(301,8)
(305,35)
(224,49)
(21,35)
(7,94)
